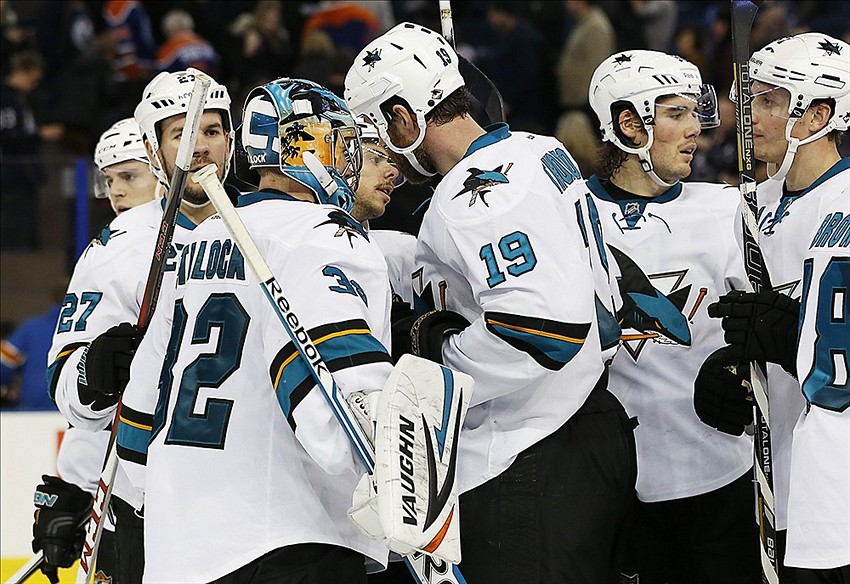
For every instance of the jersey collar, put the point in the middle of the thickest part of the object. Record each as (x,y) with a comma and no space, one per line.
(182,220)
(839,166)
(265,195)
(615,194)
(495,133)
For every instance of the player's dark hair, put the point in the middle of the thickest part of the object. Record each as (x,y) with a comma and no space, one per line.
(457,104)
(610,157)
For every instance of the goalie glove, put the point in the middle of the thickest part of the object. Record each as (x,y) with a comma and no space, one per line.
(760,326)
(722,393)
(59,528)
(107,365)
(411,500)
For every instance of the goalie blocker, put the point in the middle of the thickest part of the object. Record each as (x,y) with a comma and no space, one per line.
(412,499)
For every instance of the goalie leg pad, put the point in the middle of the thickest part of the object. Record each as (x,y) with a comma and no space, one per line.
(420,415)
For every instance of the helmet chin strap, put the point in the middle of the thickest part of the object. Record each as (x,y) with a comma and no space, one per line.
(407,151)
(643,156)
(194,205)
(793,145)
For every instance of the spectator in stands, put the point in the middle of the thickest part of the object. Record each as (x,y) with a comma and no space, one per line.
(183,48)
(265,45)
(512,62)
(23,355)
(688,45)
(20,153)
(350,25)
(13,36)
(658,20)
(129,24)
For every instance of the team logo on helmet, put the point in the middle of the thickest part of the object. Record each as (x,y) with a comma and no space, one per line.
(480,182)
(346,224)
(624,58)
(829,48)
(371,58)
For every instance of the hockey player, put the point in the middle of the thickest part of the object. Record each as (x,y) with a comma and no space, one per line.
(798,121)
(94,342)
(546,461)
(125,179)
(693,520)
(207,422)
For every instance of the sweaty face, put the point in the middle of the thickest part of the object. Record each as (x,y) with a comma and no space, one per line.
(376,182)
(212,146)
(675,134)
(130,184)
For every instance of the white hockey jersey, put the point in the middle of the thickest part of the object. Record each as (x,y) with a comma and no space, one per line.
(243,454)
(504,244)
(819,498)
(106,289)
(786,219)
(398,248)
(673,254)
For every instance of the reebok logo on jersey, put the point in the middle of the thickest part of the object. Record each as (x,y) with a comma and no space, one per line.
(479,182)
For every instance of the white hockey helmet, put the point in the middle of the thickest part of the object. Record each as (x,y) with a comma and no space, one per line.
(411,62)
(168,95)
(368,130)
(810,66)
(120,143)
(641,78)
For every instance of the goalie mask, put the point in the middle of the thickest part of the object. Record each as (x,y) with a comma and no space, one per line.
(641,78)
(410,62)
(120,143)
(287,118)
(168,95)
(809,66)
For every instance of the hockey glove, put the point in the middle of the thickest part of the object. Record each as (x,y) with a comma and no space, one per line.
(430,330)
(107,365)
(402,318)
(722,396)
(59,527)
(760,326)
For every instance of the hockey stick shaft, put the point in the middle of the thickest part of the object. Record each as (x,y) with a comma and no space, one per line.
(185,152)
(422,565)
(27,569)
(743,14)
(479,85)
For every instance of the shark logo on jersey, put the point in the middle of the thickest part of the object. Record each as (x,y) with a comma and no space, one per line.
(768,220)
(346,224)
(649,311)
(480,182)
(105,236)
(829,48)
(371,59)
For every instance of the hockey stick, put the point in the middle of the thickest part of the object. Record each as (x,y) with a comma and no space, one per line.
(479,85)
(185,152)
(743,14)
(422,566)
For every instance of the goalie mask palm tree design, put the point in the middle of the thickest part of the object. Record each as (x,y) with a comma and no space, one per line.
(287,118)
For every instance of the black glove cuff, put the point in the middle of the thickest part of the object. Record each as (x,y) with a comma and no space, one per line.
(429,331)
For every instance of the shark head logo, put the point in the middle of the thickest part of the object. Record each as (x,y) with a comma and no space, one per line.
(371,58)
(647,309)
(479,182)
(346,225)
(624,58)
(829,48)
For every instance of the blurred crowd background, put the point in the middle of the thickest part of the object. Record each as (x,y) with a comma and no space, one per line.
(71,68)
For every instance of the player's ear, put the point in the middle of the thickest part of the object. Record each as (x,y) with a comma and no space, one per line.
(629,124)
(820,116)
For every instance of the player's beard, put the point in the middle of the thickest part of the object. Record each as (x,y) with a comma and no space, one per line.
(410,173)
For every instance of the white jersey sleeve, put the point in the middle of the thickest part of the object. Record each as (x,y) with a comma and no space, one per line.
(105,290)
(222,409)
(819,504)
(398,249)
(501,245)
(674,255)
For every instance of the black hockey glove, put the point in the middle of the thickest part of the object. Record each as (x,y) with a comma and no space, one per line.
(59,528)
(722,399)
(430,330)
(402,318)
(108,365)
(760,326)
